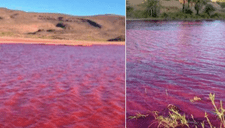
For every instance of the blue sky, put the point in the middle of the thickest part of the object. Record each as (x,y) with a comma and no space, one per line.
(72,7)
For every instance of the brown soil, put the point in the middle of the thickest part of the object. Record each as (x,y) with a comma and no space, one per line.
(12,40)
(22,24)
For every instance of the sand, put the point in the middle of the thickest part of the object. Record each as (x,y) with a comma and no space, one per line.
(12,40)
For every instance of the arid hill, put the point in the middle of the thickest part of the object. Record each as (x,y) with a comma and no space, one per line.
(15,23)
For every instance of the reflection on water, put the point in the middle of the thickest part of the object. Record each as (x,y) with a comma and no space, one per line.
(61,86)
(184,59)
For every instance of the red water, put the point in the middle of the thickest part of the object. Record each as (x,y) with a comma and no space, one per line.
(45,86)
(171,62)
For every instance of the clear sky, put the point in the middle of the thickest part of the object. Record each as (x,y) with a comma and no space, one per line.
(72,7)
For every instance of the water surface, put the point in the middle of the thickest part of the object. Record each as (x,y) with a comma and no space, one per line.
(44,86)
(171,62)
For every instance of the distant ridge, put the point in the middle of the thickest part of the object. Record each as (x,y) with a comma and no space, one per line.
(16,23)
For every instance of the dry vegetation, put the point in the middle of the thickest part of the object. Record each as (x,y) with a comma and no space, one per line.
(175,118)
(174,10)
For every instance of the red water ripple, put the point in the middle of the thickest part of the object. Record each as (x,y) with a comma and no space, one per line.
(169,64)
(55,92)
(22,122)
(44,125)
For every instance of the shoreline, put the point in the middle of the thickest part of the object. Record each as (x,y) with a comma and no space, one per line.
(161,19)
(19,40)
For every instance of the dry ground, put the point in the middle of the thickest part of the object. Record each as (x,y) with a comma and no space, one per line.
(21,24)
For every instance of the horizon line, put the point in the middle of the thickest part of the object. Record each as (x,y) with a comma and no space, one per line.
(60,13)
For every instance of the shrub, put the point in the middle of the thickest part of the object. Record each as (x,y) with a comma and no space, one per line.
(179,15)
(204,15)
(222,4)
(129,11)
(139,14)
(61,25)
(208,9)
(188,11)
(164,15)
(222,16)
(215,15)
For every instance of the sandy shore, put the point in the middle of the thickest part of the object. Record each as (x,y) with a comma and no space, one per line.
(12,40)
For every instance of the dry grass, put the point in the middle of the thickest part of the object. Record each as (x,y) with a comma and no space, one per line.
(175,119)
(195,99)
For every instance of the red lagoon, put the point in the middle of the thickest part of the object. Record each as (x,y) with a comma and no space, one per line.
(43,86)
(171,63)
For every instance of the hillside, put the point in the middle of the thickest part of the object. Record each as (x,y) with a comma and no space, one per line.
(174,7)
(170,4)
(15,23)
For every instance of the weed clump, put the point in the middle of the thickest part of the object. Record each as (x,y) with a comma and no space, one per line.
(177,119)
(173,120)
(138,115)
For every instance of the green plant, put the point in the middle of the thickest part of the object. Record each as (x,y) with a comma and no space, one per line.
(215,15)
(139,14)
(222,4)
(164,15)
(204,15)
(208,9)
(129,9)
(152,8)
(188,11)
(199,4)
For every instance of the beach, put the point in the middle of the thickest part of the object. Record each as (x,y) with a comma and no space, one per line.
(14,40)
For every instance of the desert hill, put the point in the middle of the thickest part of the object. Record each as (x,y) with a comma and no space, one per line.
(16,23)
